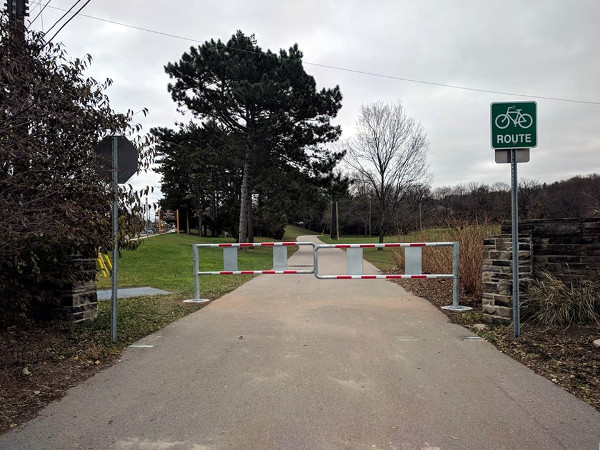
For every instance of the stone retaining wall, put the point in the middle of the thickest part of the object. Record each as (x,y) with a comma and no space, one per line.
(564,247)
(76,301)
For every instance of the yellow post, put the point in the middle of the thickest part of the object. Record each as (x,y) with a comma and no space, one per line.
(177,216)
(103,270)
(107,261)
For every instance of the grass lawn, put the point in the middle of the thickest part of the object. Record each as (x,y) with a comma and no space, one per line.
(166,262)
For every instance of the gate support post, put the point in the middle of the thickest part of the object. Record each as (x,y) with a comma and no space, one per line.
(456,281)
(196,298)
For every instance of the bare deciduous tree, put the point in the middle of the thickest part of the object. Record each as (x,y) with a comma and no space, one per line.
(529,198)
(389,151)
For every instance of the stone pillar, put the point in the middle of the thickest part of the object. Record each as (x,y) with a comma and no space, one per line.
(497,275)
(79,301)
(74,301)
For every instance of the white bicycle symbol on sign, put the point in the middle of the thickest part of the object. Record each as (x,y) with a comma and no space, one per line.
(516,117)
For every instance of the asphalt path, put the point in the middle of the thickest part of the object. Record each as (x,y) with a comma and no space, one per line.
(292,362)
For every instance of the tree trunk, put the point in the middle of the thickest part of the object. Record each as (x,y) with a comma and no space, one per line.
(250,219)
(383,219)
(243,225)
(246,196)
(199,212)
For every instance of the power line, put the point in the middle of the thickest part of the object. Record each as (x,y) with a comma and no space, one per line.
(131,26)
(39,14)
(343,69)
(453,86)
(63,16)
(70,18)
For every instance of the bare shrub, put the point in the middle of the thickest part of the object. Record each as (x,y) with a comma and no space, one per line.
(439,259)
(551,301)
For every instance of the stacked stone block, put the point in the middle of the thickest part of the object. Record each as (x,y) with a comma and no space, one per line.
(497,275)
(76,301)
(564,247)
(80,301)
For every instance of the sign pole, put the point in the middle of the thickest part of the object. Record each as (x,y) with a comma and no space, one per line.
(514,124)
(115,230)
(515,240)
(115,148)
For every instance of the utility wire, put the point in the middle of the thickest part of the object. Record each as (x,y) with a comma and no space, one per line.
(453,86)
(38,14)
(70,18)
(63,16)
(343,69)
(147,30)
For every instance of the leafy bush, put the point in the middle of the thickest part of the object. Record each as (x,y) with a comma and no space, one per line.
(551,301)
(53,192)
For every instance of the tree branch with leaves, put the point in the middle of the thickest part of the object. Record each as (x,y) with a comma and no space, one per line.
(54,192)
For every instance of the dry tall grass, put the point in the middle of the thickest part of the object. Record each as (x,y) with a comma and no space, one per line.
(439,259)
(554,301)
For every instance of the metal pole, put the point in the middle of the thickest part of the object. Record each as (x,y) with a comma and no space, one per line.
(196,298)
(455,273)
(17,11)
(316,261)
(115,230)
(515,241)
(196,276)
(337,220)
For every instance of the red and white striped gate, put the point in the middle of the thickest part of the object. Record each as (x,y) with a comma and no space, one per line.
(230,262)
(354,257)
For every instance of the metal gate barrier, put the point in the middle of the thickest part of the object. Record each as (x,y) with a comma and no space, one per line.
(354,259)
(230,262)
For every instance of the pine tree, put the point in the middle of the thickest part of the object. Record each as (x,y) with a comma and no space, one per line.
(266,99)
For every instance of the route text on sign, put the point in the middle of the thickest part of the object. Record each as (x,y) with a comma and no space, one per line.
(515,139)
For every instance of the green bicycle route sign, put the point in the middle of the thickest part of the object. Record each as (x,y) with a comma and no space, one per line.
(514,125)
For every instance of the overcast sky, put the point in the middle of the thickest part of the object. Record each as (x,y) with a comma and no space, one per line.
(542,48)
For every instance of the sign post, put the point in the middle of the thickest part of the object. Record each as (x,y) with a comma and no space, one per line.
(514,132)
(115,230)
(514,217)
(120,158)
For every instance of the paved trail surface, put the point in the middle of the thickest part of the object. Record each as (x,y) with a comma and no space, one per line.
(292,362)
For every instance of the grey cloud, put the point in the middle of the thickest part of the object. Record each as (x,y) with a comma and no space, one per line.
(547,48)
